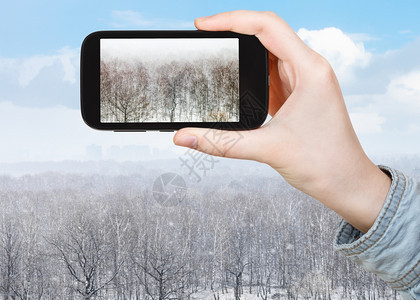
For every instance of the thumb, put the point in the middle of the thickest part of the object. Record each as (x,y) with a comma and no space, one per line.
(248,144)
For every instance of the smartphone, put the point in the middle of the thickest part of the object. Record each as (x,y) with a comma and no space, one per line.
(166,80)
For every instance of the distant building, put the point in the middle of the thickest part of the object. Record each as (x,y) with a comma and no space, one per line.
(94,152)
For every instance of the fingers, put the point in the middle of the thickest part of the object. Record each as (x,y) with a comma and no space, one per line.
(233,144)
(273,32)
(277,93)
(241,21)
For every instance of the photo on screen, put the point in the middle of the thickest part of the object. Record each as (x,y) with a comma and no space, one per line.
(169,80)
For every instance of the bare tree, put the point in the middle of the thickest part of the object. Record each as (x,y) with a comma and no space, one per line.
(237,258)
(84,254)
(11,252)
(171,79)
(163,275)
(124,92)
(173,91)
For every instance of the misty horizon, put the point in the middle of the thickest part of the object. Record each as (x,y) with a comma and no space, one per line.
(159,51)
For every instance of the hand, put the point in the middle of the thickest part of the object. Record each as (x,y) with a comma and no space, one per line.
(310,140)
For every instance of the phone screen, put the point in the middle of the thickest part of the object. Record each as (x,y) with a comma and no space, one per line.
(169,80)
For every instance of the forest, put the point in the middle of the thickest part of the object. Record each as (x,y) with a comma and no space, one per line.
(91,236)
(179,90)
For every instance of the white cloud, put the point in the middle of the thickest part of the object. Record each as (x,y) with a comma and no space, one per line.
(389,122)
(382,90)
(413,128)
(130,19)
(361,37)
(338,48)
(59,133)
(382,96)
(406,88)
(67,58)
(41,80)
(405,31)
(367,122)
(30,67)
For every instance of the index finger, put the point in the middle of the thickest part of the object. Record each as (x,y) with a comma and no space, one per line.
(273,32)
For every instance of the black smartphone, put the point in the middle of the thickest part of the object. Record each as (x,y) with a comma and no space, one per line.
(166,80)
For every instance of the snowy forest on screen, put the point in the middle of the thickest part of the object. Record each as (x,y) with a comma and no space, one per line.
(185,85)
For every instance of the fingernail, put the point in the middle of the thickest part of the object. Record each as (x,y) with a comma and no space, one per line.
(202,18)
(187,141)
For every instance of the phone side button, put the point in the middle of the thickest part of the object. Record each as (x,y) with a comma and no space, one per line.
(166,130)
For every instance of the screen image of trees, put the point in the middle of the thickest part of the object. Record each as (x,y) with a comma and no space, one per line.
(199,88)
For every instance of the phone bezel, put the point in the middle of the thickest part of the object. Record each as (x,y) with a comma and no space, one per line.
(253,81)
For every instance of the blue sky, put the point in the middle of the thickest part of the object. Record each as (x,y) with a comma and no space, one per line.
(373,46)
(42,27)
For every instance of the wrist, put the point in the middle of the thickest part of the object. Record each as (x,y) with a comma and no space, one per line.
(357,194)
